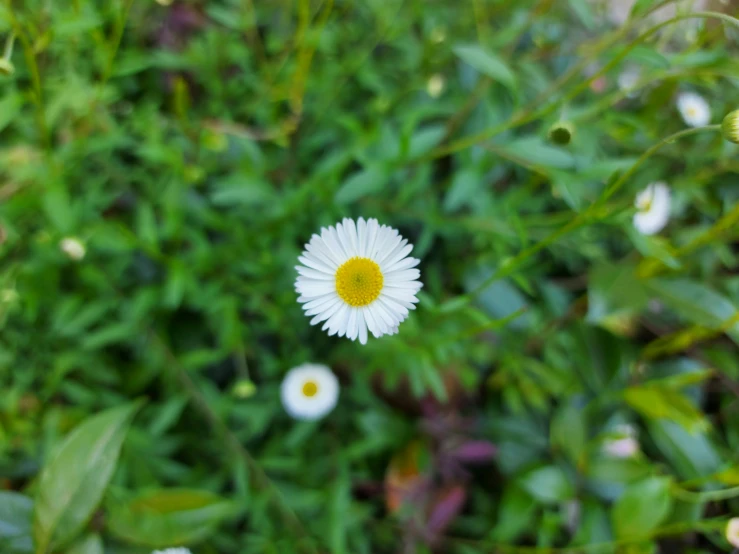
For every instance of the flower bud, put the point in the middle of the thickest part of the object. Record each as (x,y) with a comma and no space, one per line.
(244,389)
(435,85)
(730,127)
(561,132)
(73,248)
(6,67)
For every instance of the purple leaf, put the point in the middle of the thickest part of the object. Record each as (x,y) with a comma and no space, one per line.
(475,452)
(446,509)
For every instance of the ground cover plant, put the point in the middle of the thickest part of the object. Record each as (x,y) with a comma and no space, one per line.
(371,276)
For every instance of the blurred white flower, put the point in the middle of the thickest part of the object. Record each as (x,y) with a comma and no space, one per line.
(178,550)
(732,531)
(694,109)
(358,277)
(309,391)
(435,85)
(73,248)
(653,205)
(628,79)
(623,443)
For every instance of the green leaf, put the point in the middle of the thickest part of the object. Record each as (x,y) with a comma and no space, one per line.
(15,522)
(515,514)
(614,293)
(242,191)
(74,478)
(366,181)
(654,401)
(641,7)
(89,544)
(584,12)
(533,151)
(642,507)
(547,484)
(10,106)
(487,63)
(162,518)
(568,431)
(648,57)
(691,454)
(697,303)
(463,190)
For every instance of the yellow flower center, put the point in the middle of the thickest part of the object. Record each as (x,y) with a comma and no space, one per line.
(691,111)
(310,389)
(359,281)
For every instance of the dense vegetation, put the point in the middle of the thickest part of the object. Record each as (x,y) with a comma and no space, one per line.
(569,377)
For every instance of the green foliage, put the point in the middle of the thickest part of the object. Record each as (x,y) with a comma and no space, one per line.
(566,382)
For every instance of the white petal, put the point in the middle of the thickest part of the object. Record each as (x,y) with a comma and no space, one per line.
(320,300)
(332,240)
(361,237)
(313,274)
(362,328)
(373,231)
(351,232)
(402,295)
(343,237)
(327,305)
(402,275)
(327,314)
(405,263)
(352,329)
(398,253)
(310,261)
(375,327)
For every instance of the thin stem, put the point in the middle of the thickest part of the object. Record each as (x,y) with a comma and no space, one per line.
(116,43)
(8,52)
(705,496)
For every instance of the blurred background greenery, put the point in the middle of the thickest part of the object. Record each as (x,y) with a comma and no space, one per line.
(566,384)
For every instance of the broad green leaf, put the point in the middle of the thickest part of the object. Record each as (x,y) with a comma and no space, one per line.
(648,57)
(89,544)
(10,105)
(660,402)
(161,518)
(691,454)
(366,181)
(242,191)
(15,522)
(487,63)
(548,484)
(697,303)
(75,476)
(642,507)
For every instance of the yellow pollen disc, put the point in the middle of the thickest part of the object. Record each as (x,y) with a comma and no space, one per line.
(359,281)
(310,389)
(692,111)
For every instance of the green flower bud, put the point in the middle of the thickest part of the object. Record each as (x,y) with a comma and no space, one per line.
(730,127)
(6,67)
(561,132)
(244,389)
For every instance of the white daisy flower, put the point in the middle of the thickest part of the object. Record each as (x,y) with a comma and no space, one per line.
(309,391)
(435,85)
(732,531)
(653,205)
(694,109)
(73,248)
(624,444)
(179,550)
(357,277)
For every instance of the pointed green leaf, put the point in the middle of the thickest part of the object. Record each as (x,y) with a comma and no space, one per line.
(15,522)
(75,476)
(642,507)
(161,518)
(487,63)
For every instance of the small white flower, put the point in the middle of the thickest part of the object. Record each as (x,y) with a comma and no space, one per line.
(624,444)
(732,531)
(357,277)
(653,205)
(628,79)
(73,248)
(694,109)
(309,391)
(178,550)
(435,85)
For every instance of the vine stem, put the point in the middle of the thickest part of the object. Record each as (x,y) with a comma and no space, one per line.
(592,213)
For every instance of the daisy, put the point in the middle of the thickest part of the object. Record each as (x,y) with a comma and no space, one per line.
(309,391)
(732,531)
(357,277)
(653,205)
(179,550)
(694,109)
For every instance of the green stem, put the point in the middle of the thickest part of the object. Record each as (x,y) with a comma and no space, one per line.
(8,52)
(116,43)
(705,496)
(592,213)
